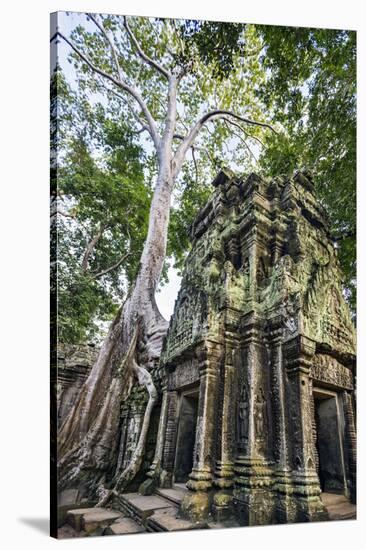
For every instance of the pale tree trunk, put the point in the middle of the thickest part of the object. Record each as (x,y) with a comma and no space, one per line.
(89,435)
(91,246)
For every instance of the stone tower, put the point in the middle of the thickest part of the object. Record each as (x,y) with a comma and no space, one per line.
(258,404)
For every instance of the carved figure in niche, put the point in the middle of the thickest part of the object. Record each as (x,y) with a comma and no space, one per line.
(286,264)
(229,271)
(184,310)
(243,414)
(244,271)
(290,307)
(233,250)
(260,414)
(246,266)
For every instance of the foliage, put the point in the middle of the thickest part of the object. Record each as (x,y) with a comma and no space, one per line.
(310,90)
(191,195)
(101,196)
(217,45)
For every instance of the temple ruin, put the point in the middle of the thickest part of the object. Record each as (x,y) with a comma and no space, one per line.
(258,410)
(256,418)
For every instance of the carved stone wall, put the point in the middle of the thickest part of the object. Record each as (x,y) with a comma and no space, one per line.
(259,322)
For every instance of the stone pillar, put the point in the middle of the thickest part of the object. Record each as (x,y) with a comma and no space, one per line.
(350,442)
(306,488)
(313,425)
(253,495)
(168,451)
(123,438)
(153,475)
(285,509)
(196,504)
(224,472)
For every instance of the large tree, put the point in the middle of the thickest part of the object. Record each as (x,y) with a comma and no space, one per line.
(164,89)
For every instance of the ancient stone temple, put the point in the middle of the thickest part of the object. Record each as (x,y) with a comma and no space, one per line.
(258,406)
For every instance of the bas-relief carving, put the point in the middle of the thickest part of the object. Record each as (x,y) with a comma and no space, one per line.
(243,419)
(133,428)
(261,272)
(188,324)
(184,374)
(236,284)
(328,370)
(260,416)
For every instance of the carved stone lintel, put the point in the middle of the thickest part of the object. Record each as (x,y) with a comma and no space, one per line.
(330,371)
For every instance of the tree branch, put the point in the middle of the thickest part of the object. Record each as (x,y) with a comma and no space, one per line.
(100,26)
(154,64)
(171,115)
(61,213)
(245,132)
(120,84)
(112,267)
(195,165)
(239,136)
(90,247)
(195,148)
(208,117)
(143,128)
(132,110)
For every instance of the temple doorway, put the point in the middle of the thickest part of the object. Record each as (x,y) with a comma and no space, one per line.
(329,420)
(186,435)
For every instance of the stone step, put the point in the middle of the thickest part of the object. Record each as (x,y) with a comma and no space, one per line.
(174,495)
(338,506)
(124,526)
(73,517)
(342,515)
(167,520)
(141,507)
(342,510)
(332,498)
(92,520)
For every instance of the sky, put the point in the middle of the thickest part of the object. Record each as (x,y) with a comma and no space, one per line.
(166,295)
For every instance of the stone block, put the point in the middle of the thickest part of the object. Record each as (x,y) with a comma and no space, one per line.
(124,526)
(73,517)
(98,519)
(144,506)
(68,497)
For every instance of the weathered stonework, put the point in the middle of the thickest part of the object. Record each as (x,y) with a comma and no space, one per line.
(259,355)
(73,366)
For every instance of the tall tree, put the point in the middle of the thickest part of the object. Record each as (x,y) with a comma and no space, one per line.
(174,98)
